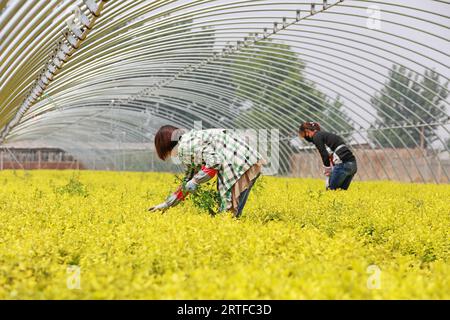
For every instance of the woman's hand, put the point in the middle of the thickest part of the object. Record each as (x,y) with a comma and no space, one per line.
(327,171)
(160,207)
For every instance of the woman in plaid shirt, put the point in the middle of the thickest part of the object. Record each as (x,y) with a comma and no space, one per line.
(205,154)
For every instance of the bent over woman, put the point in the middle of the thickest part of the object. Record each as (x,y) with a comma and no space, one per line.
(205,154)
(344,162)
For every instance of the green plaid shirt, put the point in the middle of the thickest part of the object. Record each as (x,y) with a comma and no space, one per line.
(219,149)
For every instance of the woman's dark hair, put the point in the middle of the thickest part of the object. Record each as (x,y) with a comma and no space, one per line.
(313,126)
(166,139)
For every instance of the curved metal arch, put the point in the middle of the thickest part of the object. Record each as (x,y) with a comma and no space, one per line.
(180,108)
(212,1)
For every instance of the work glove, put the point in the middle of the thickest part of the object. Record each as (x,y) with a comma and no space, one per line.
(191,186)
(160,207)
(327,171)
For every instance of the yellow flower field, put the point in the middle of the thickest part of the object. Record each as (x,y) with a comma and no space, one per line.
(87,235)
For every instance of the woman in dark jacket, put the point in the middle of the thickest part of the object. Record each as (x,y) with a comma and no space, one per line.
(341,168)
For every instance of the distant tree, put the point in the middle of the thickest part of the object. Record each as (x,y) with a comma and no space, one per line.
(409,100)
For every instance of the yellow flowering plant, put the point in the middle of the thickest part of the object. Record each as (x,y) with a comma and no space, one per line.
(378,240)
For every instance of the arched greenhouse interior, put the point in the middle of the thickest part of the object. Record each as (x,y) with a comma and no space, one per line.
(86,84)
